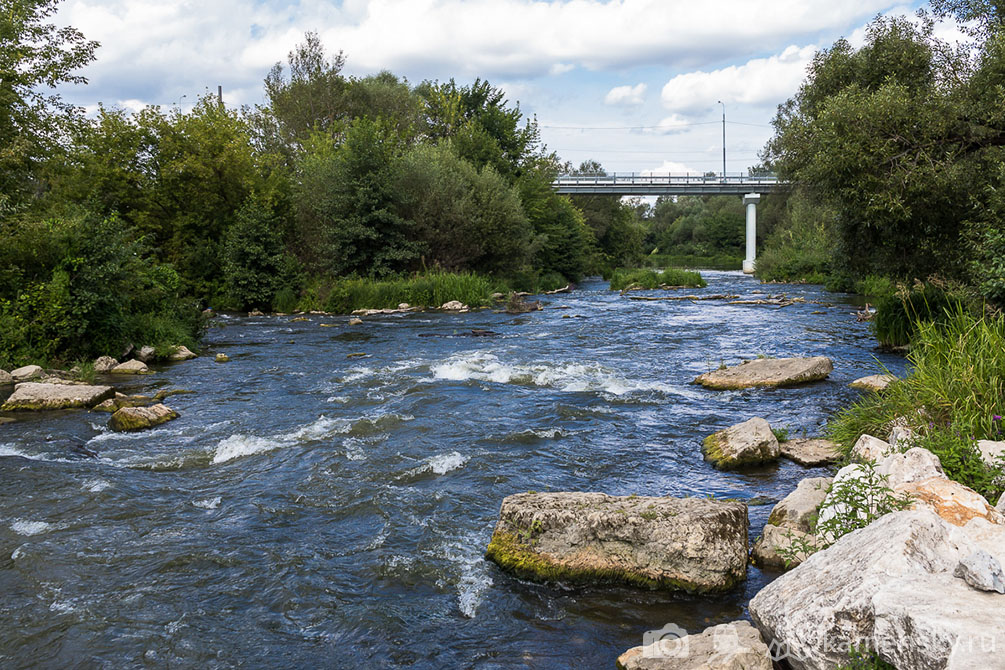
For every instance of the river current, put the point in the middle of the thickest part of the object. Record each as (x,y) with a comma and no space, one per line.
(313,508)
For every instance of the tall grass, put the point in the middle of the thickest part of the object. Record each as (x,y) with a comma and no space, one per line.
(646,278)
(343,296)
(954,396)
(899,312)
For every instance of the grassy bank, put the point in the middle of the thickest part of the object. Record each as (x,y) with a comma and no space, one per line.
(644,278)
(954,396)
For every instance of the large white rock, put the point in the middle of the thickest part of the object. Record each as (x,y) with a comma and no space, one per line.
(890,588)
(146,353)
(747,443)
(770,372)
(799,509)
(901,438)
(693,544)
(181,353)
(26,373)
(992,452)
(869,448)
(783,547)
(36,396)
(5,378)
(133,367)
(729,646)
(104,364)
(914,465)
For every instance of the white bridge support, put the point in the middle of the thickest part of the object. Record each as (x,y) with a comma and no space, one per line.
(751,200)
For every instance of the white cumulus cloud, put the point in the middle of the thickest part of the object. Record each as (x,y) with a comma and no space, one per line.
(626,95)
(762,81)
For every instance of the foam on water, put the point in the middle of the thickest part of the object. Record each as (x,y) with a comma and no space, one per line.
(236,446)
(209,503)
(96,485)
(472,578)
(322,428)
(569,377)
(22,527)
(441,464)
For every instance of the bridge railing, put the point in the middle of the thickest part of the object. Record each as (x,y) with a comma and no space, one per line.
(646,179)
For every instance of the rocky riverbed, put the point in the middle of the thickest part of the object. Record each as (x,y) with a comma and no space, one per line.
(331,491)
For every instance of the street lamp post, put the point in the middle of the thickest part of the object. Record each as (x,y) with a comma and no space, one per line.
(723,138)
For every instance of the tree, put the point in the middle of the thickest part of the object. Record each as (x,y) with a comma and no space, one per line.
(346,203)
(34,55)
(310,97)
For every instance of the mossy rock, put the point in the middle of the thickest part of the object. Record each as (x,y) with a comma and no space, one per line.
(140,418)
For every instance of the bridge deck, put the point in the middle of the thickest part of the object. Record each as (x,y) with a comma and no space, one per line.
(665,184)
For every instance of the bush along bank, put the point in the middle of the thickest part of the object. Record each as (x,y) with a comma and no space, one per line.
(627,279)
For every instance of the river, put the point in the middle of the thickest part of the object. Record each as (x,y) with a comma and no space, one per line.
(315,510)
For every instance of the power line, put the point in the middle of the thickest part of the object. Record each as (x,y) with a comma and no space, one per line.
(658,127)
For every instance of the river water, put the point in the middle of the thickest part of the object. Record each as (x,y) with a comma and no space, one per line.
(311,509)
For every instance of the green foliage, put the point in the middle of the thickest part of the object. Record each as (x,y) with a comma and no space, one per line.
(255,267)
(430,290)
(562,241)
(781,434)
(875,286)
(465,219)
(346,203)
(954,396)
(90,291)
(902,141)
(801,247)
(644,278)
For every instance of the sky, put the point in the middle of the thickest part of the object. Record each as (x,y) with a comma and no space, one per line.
(633,84)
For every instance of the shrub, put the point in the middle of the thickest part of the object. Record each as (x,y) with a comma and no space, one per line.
(343,296)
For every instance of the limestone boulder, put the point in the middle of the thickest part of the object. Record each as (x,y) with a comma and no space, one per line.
(769,372)
(133,367)
(811,453)
(799,509)
(889,588)
(729,646)
(181,353)
(914,465)
(901,438)
(981,571)
(992,452)
(139,418)
(355,321)
(875,383)
(869,448)
(146,354)
(454,306)
(36,396)
(691,544)
(953,502)
(747,443)
(104,364)
(26,373)
(5,378)
(782,547)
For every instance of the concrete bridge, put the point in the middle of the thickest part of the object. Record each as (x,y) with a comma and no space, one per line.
(635,183)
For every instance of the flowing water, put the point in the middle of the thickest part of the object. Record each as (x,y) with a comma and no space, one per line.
(311,509)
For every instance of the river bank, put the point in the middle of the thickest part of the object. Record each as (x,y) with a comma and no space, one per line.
(332,504)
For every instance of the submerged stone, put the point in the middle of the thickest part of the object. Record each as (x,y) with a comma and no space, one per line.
(691,544)
(768,372)
(138,418)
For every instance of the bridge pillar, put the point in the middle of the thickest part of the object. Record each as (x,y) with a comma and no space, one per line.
(751,200)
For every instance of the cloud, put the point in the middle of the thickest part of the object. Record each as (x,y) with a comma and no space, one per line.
(672,167)
(762,81)
(156,50)
(626,95)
